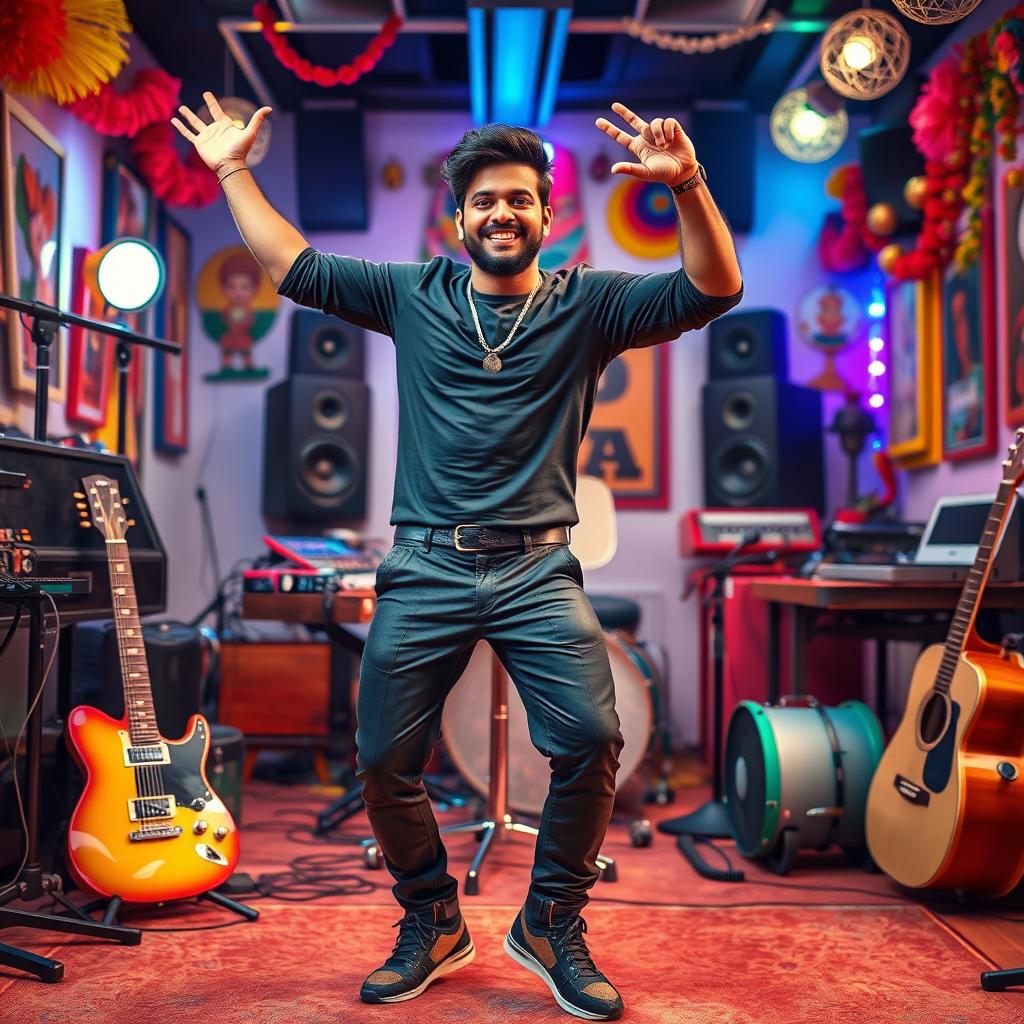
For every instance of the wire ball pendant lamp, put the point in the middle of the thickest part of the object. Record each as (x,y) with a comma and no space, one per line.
(864,54)
(935,12)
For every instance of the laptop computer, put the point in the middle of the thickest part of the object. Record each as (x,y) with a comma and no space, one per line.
(946,550)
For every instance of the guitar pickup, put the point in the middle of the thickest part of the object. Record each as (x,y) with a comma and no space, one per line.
(160,832)
(139,756)
(147,808)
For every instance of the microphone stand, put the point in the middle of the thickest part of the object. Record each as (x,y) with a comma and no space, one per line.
(711,820)
(32,883)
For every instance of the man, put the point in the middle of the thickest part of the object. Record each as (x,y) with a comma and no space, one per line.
(498,368)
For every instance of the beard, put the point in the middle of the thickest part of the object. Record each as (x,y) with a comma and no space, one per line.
(504,264)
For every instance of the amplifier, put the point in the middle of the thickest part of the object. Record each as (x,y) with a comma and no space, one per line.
(716,531)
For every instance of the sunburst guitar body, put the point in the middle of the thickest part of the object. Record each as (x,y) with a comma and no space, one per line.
(148,826)
(946,803)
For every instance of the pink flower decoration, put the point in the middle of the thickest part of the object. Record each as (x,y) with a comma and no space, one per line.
(934,115)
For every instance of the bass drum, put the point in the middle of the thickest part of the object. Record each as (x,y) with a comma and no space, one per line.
(466,723)
(797,777)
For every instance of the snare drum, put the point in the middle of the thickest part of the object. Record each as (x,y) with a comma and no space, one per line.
(466,724)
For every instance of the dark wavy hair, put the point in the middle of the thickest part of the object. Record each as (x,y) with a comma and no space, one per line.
(496,144)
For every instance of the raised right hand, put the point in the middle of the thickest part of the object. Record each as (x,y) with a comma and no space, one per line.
(222,143)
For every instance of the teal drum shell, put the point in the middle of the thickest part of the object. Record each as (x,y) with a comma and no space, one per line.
(780,773)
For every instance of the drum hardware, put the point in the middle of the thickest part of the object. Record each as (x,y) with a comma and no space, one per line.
(499,822)
(711,820)
(640,833)
(797,777)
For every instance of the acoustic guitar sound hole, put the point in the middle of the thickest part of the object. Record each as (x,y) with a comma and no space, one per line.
(934,719)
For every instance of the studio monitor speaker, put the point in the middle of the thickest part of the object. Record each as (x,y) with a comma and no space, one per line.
(727,141)
(888,158)
(314,451)
(332,171)
(324,344)
(762,444)
(748,344)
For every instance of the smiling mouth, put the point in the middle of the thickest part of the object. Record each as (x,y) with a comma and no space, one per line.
(502,236)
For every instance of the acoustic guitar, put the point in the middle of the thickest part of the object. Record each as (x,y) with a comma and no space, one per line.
(946,804)
(148,826)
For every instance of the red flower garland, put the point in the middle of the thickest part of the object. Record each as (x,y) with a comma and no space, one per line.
(31,37)
(346,74)
(188,183)
(153,96)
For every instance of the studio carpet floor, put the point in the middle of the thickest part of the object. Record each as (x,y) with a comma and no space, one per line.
(828,943)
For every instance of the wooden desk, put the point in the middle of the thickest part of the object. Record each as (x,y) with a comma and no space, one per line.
(804,599)
(353,606)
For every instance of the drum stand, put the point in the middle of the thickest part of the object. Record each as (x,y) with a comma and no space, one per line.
(499,822)
(711,820)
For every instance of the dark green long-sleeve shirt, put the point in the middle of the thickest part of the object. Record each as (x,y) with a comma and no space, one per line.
(497,449)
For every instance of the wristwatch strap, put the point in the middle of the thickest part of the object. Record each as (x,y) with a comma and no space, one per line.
(693,181)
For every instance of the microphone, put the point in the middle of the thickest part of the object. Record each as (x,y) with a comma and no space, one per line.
(751,536)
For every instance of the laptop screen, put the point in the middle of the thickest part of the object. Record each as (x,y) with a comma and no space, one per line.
(954,530)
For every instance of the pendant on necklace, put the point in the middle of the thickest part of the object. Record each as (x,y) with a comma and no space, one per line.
(492,364)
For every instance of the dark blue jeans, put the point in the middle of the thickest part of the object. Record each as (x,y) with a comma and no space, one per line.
(432,608)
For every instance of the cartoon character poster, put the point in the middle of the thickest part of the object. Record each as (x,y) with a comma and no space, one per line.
(170,386)
(90,354)
(33,192)
(829,318)
(238,303)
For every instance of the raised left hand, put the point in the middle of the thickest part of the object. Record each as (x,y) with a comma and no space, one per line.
(664,150)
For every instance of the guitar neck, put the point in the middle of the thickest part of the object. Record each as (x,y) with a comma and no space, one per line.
(974,586)
(131,649)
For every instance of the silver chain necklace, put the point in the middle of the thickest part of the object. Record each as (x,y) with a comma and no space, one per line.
(492,364)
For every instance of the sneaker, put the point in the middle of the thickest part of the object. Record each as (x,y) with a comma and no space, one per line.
(423,953)
(559,956)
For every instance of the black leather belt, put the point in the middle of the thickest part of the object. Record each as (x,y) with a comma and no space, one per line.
(470,537)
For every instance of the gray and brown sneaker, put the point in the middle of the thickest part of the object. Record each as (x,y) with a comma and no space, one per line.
(558,954)
(423,953)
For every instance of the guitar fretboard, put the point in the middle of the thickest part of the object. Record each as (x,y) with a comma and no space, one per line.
(967,607)
(138,694)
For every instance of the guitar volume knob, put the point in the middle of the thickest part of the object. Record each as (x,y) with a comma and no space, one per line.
(220,832)
(1007,770)
(199,804)
(200,827)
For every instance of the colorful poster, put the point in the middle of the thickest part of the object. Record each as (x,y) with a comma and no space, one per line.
(642,219)
(1011,265)
(627,442)
(238,303)
(33,174)
(170,372)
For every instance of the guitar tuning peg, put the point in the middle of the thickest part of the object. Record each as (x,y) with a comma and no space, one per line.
(86,524)
(80,504)
(125,501)
(131,522)
(79,494)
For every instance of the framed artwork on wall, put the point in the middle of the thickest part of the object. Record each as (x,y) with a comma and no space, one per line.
(627,442)
(33,190)
(969,354)
(90,354)
(1011,267)
(915,372)
(127,212)
(170,373)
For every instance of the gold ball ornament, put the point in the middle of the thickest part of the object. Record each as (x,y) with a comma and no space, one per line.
(935,12)
(883,218)
(888,256)
(915,191)
(392,174)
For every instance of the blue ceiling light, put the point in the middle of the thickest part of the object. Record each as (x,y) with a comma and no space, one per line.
(515,59)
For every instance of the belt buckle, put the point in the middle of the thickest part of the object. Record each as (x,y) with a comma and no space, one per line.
(466,526)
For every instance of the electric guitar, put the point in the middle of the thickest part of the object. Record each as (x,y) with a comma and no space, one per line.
(946,804)
(148,826)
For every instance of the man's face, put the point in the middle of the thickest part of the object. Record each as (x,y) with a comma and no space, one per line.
(502,222)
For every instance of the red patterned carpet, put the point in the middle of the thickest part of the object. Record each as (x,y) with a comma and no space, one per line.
(769,951)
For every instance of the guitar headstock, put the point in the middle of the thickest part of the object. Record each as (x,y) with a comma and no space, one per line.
(1013,464)
(100,504)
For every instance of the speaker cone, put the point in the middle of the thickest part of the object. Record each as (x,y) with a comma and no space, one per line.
(330,410)
(739,409)
(329,347)
(738,349)
(741,468)
(326,470)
